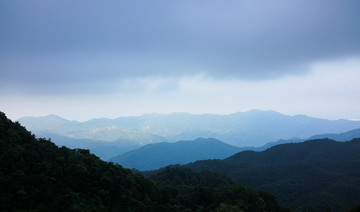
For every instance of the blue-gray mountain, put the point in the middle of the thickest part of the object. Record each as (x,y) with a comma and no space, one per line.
(345,136)
(238,129)
(154,156)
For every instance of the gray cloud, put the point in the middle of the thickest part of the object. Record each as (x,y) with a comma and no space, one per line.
(52,44)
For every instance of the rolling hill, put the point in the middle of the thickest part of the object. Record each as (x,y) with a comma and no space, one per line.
(321,174)
(345,136)
(154,156)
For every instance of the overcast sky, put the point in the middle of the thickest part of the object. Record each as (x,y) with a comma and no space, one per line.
(89,59)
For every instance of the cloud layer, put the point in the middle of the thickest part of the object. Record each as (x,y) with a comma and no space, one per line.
(67,46)
(329,90)
(85,59)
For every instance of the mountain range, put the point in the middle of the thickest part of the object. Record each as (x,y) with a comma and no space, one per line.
(155,156)
(238,129)
(314,175)
(36,175)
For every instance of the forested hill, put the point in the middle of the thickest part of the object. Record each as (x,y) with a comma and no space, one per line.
(321,174)
(36,175)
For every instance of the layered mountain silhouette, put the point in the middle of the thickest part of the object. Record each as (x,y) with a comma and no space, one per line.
(238,129)
(320,175)
(36,175)
(345,136)
(154,156)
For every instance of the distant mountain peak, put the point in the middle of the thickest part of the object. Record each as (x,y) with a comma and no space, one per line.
(49,117)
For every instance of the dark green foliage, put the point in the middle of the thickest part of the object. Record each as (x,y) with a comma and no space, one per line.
(208,191)
(36,175)
(177,175)
(318,174)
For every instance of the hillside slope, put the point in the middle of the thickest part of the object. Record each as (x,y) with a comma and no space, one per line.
(320,174)
(104,150)
(154,156)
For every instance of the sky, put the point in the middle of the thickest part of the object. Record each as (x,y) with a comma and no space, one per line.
(90,59)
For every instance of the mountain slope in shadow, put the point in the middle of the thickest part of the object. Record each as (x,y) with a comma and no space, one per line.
(319,173)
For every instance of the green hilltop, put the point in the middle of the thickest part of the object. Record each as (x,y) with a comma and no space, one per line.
(319,174)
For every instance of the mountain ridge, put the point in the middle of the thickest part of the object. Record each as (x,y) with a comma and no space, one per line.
(322,173)
(154,156)
(238,129)
(344,136)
